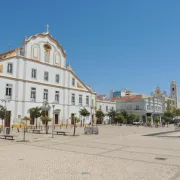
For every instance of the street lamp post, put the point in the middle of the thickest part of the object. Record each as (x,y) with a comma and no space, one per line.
(5,101)
(53,122)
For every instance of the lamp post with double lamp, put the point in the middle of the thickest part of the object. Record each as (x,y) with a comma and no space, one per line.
(53,122)
(5,101)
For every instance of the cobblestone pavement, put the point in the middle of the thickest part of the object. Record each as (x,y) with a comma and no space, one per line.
(118,152)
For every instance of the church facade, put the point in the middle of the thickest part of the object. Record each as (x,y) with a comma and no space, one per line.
(36,74)
(168,101)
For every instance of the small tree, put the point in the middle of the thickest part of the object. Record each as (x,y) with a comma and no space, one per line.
(35,113)
(177,112)
(120,118)
(100,116)
(167,119)
(112,114)
(46,119)
(137,118)
(26,119)
(132,117)
(149,120)
(157,119)
(84,112)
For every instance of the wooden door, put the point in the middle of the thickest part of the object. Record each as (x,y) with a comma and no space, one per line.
(56,118)
(8,119)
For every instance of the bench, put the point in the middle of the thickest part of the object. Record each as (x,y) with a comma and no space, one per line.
(36,131)
(60,132)
(7,136)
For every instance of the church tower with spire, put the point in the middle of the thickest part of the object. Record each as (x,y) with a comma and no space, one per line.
(174,92)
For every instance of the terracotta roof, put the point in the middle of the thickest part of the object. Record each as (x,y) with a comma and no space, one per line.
(128,98)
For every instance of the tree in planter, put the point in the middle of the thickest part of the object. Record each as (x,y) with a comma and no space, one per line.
(35,113)
(100,116)
(120,118)
(112,114)
(84,112)
(46,119)
(157,119)
(149,120)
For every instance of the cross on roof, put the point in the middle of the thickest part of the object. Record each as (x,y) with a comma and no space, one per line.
(47,28)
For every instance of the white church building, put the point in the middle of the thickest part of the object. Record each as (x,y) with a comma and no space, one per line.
(37,73)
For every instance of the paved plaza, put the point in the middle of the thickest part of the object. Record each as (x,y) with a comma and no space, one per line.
(118,152)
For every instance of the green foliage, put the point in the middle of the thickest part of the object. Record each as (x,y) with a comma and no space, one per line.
(148,118)
(35,112)
(84,112)
(125,114)
(26,118)
(167,119)
(177,112)
(137,118)
(132,116)
(157,119)
(77,119)
(45,118)
(100,115)
(112,114)
(120,118)
(3,112)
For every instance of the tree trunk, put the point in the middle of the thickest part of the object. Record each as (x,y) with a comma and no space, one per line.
(36,123)
(46,127)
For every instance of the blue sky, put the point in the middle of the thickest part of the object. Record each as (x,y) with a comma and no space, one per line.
(133,44)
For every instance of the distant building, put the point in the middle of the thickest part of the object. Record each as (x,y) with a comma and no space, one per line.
(104,104)
(121,93)
(140,105)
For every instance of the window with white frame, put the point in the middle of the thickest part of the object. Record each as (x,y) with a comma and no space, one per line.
(137,107)
(113,108)
(45,95)
(106,108)
(73,99)
(57,78)
(33,94)
(10,68)
(33,73)
(9,91)
(57,96)
(73,81)
(147,107)
(100,107)
(46,76)
(80,100)
(87,100)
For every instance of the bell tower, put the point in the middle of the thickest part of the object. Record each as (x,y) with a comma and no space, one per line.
(174,92)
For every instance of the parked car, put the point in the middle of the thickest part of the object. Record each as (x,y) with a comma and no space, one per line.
(138,123)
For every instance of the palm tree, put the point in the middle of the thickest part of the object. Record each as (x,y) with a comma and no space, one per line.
(84,112)
(46,119)
(125,114)
(35,113)
(100,115)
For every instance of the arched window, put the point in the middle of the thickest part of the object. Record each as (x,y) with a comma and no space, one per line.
(35,52)
(47,49)
(57,58)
